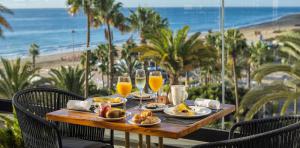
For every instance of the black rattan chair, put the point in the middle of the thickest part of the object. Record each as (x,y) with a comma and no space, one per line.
(276,132)
(31,107)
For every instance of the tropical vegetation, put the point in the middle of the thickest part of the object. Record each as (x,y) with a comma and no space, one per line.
(286,90)
(11,133)
(3,21)
(175,52)
(34,52)
(68,78)
(146,20)
(15,76)
(86,5)
(108,13)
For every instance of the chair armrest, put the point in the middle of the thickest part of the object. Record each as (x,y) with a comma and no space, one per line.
(247,128)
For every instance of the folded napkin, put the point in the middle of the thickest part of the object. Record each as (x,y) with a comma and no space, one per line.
(213,104)
(79,105)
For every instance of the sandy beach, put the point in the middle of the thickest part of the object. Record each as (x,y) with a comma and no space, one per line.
(268,30)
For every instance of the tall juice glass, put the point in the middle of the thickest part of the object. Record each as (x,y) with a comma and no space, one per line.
(140,82)
(155,82)
(124,87)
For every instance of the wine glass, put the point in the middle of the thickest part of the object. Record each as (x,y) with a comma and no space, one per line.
(140,82)
(155,82)
(124,87)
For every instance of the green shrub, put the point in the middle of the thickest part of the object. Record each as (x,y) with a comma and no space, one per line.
(10,135)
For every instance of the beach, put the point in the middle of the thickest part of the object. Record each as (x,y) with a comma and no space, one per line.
(269,29)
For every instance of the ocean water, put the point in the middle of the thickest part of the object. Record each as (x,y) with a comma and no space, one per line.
(52,28)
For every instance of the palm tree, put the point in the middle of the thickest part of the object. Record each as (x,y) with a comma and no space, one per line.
(130,58)
(176,52)
(3,21)
(256,98)
(235,44)
(258,53)
(287,90)
(289,44)
(108,12)
(86,5)
(101,53)
(34,51)
(68,78)
(145,20)
(15,76)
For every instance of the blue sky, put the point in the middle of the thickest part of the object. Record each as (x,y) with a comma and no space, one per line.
(154,3)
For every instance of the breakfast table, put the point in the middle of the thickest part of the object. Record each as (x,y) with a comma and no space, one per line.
(169,127)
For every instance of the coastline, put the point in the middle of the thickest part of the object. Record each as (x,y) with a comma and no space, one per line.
(268,30)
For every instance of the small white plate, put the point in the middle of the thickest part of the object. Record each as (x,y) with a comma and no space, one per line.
(144,125)
(159,109)
(112,119)
(112,104)
(145,97)
(199,112)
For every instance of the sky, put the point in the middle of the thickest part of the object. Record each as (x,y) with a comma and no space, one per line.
(156,3)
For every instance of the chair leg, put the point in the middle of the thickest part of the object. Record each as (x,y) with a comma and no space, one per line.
(112,137)
(148,141)
(127,142)
(140,141)
(160,142)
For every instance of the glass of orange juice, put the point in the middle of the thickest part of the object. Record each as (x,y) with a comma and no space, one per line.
(155,82)
(124,87)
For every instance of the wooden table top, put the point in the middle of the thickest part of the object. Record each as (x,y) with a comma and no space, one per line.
(167,130)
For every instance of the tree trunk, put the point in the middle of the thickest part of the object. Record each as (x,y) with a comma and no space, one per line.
(187,79)
(249,77)
(147,76)
(102,77)
(33,62)
(235,85)
(88,34)
(174,79)
(143,40)
(111,58)
(86,74)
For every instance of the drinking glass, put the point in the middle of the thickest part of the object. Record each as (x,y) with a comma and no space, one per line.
(155,82)
(140,82)
(124,87)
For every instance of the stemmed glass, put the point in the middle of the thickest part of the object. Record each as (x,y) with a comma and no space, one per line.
(124,87)
(140,82)
(155,82)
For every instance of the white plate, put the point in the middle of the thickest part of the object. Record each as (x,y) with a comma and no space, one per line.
(200,111)
(144,125)
(136,96)
(156,109)
(112,119)
(112,104)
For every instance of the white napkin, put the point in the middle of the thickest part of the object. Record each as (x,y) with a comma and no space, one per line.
(213,104)
(79,105)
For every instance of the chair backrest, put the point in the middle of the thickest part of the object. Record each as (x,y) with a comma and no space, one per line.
(36,132)
(285,137)
(41,101)
(256,126)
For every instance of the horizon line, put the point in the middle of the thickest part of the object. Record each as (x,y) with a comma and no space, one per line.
(168,7)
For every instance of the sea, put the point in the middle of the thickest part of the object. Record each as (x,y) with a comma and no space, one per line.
(55,31)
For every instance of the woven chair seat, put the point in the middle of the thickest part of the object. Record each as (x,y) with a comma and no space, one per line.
(69,142)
